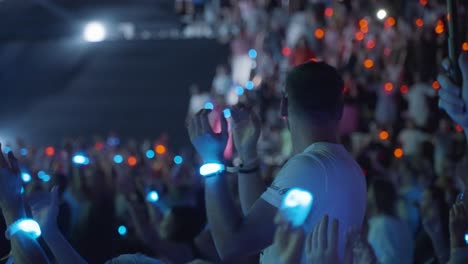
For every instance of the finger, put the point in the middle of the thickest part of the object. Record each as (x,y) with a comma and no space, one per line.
(224,128)
(280,237)
(463,63)
(315,237)
(205,122)
(333,239)
(309,241)
(14,163)
(447,85)
(451,109)
(323,232)
(450,98)
(192,128)
(296,245)
(3,162)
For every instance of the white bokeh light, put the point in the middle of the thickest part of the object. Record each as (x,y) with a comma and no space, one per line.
(94,32)
(381,14)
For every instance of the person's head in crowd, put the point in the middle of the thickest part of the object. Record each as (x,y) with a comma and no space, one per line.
(133,259)
(182,224)
(313,101)
(382,197)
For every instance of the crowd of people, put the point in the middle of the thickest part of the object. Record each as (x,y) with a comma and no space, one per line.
(114,196)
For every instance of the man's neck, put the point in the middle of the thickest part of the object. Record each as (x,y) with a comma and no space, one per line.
(304,137)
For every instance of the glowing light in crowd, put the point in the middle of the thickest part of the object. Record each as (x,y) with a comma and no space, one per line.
(319,33)
(465,46)
(118,159)
(370,44)
(113,141)
(24,152)
(122,230)
(423,2)
(50,151)
(211,168)
(249,85)
(26,177)
(43,176)
(160,149)
(132,161)
(296,206)
(390,22)
(150,154)
(94,32)
(363,23)
(80,159)
(178,160)
(388,87)
(152,196)
(435,85)
(368,63)
(466,239)
(252,53)
(98,146)
(359,36)
(27,226)
(381,14)
(6,149)
(239,90)
(383,135)
(286,51)
(440,28)
(329,12)
(419,22)
(209,105)
(365,30)
(404,89)
(459,128)
(398,153)
(22,190)
(227,113)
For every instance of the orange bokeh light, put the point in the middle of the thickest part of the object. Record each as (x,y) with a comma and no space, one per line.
(368,63)
(440,28)
(459,128)
(404,89)
(50,151)
(359,36)
(132,161)
(383,135)
(419,22)
(365,30)
(370,44)
(423,2)
(390,22)
(436,85)
(388,87)
(329,12)
(160,149)
(398,153)
(363,23)
(319,33)
(465,46)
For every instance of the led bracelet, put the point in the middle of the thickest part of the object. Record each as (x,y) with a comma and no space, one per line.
(26,225)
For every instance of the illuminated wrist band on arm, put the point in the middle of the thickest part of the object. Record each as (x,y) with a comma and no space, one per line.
(211,169)
(27,226)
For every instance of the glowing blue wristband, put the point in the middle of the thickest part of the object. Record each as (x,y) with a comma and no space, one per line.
(27,226)
(211,168)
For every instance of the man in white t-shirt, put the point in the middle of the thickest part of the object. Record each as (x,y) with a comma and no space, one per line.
(312,106)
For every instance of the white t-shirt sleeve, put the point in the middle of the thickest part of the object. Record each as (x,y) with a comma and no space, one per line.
(300,172)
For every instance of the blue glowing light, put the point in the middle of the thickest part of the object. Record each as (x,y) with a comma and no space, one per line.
(178,160)
(118,159)
(297,197)
(122,230)
(249,85)
(227,113)
(22,190)
(26,177)
(27,226)
(466,239)
(252,53)
(152,196)
(239,90)
(296,206)
(113,141)
(80,159)
(150,154)
(24,152)
(43,176)
(6,149)
(211,168)
(209,105)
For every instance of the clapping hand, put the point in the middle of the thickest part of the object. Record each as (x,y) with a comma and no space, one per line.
(246,128)
(289,241)
(10,182)
(45,209)
(358,249)
(322,243)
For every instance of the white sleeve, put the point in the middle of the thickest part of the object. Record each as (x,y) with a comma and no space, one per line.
(302,171)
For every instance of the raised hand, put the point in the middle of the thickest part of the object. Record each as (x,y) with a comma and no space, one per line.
(10,182)
(358,249)
(322,243)
(209,145)
(458,225)
(45,209)
(246,127)
(289,241)
(454,99)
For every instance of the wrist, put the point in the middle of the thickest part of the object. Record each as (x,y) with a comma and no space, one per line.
(50,233)
(13,211)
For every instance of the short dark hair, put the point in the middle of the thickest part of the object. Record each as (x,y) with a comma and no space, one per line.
(385,196)
(315,89)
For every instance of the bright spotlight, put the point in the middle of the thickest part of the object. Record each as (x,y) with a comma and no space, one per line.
(94,32)
(381,14)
